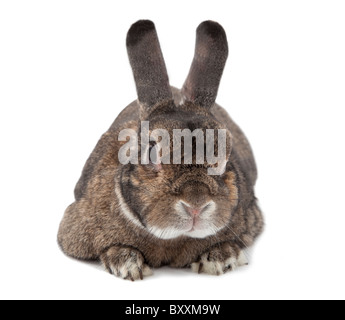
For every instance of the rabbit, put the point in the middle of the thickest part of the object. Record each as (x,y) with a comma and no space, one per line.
(137,217)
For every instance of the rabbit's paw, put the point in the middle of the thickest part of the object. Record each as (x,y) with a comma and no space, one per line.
(219,260)
(126,263)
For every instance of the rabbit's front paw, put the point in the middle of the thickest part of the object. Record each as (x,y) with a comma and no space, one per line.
(126,263)
(219,260)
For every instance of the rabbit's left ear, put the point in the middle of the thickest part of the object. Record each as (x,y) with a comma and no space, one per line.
(146,59)
(211,53)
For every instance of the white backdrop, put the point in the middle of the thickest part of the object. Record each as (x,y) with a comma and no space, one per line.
(65,76)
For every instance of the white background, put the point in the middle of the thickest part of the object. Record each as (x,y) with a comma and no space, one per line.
(65,76)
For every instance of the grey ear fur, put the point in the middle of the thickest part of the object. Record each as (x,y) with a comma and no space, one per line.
(146,59)
(211,53)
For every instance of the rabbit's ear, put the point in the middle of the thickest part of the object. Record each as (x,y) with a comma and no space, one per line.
(146,59)
(211,53)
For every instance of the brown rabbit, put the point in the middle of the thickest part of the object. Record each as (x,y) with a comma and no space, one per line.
(134,217)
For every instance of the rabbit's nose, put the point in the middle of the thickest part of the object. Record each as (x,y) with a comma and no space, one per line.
(193,211)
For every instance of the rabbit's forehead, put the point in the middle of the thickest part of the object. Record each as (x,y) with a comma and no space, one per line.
(186,121)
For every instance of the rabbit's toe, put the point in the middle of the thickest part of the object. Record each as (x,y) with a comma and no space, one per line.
(126,263)
(209,267)
(233,263)
(220,260)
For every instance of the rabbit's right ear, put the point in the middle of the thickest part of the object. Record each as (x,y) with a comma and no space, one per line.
(211,53)
(146,59)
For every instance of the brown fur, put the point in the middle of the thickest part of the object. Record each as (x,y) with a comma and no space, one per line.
(95,226)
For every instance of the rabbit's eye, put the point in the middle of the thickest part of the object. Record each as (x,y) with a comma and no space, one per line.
(153,153)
